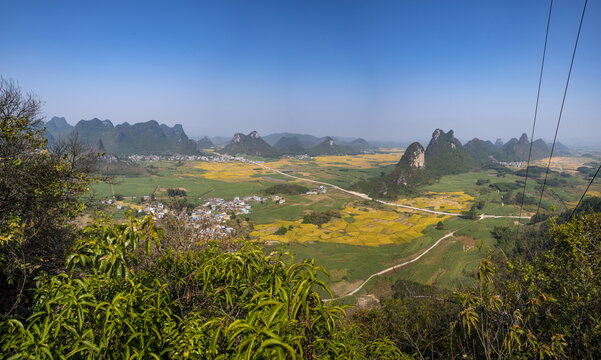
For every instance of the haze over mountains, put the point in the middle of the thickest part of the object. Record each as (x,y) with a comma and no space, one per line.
(153,138)
(290,144)
(124,139)
(446,155)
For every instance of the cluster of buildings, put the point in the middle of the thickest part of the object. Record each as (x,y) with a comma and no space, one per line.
(111,202)
(517,164)
(179,157)
(321,189)
(208,158)
(157,211)
(297,157)
(235,206)
(210,218)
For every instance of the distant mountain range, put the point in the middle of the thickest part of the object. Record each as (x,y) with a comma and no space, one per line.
(204,143)
(515,150)
(310,141)
(251,144)
(124,139)
(290,144)
(446,155)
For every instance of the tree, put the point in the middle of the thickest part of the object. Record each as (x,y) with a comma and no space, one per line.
(548,307)
(481,204)
(471,214)
(176,192)
(439,226)
(281,231)
(40,191)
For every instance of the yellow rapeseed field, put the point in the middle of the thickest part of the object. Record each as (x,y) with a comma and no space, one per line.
(357,226)
(354,161)
(238,172)
(569,164)
(359,161)
(231,171)
(445,201)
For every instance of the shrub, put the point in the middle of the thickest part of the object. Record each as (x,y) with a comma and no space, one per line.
(209,304)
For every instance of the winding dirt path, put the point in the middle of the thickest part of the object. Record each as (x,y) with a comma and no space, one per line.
(366,197)
(389,269)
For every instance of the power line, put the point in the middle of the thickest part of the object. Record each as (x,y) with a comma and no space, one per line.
(585,191)
(540,81)
(565,92)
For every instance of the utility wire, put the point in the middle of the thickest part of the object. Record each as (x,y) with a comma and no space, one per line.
(540,81)
(565,92)
(585,191)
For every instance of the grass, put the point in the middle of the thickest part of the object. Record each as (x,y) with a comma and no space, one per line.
(568,191)
(453,262)
(374,227)
(140,186)
(358,262)
(368,237)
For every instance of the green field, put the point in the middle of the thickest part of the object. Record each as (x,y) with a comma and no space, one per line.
(451,264)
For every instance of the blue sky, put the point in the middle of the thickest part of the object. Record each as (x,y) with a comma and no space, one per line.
(393,70)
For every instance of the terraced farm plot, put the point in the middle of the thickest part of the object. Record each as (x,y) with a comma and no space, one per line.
(356,226)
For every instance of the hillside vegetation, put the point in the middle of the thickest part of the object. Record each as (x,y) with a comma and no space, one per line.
(137,288)
(124,139)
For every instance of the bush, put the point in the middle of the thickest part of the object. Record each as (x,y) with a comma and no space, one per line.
(471,214)
(281,231)
(194,304)
(40,195)
(320,218)
(176,192)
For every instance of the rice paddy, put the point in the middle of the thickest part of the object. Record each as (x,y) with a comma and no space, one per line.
(356,226)
(568,164)
(441,201)
(366,237)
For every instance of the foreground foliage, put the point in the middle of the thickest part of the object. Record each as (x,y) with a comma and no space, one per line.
(40,192)
(192,304)
(545,307)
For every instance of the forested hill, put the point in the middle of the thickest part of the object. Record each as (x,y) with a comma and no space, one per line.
(515,150)
(444,155)
(251,144)
(124,139)
(329,147)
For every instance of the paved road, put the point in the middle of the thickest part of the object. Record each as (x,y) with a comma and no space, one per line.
(393,267)
(366,197)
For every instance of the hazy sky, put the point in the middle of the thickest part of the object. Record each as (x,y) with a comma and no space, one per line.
(390,70)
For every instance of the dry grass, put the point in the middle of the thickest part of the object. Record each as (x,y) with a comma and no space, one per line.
(445,201)
(568,164)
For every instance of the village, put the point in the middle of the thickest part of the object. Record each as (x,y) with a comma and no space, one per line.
(209,219)
(220,158)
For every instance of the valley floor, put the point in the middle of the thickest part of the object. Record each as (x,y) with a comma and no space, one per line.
(370,243)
